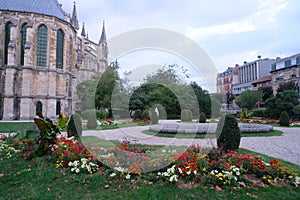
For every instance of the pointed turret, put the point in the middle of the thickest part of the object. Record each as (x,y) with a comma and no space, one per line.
(74,20)
(103,35)
(83,30)
(103,49)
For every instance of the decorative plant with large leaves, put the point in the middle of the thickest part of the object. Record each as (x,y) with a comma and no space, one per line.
(49,131)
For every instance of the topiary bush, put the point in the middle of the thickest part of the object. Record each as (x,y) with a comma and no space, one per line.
(202,117)
(146,115)
(186,115)
(154,117)
(137,114)
(284,119)
(228,133)
(92,120)
(75,126)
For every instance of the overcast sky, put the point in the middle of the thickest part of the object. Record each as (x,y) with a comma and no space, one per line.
(229,31)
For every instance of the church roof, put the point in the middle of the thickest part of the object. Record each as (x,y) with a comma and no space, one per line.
(45,7)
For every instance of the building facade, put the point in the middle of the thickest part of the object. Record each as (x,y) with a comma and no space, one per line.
(285,70)
(250,72)
(224,81)
(265,81)
(42,59)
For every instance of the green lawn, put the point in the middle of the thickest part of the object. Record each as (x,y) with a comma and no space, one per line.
(38,179)
(211,135)
(10,127)
(116,126)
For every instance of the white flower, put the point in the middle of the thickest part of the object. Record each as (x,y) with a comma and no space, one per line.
(173,178)
(113,174)
(195,172)
(164,151)
(180,171)
(237,173)
(77,170)
(159,174)
(297,181)
(127,176)
(188,173)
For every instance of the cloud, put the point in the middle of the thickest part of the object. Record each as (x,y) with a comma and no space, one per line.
(266,13)
(229,28)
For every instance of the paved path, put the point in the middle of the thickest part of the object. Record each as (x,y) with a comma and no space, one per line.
(286,147)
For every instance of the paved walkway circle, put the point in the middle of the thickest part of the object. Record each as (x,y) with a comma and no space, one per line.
(286,147)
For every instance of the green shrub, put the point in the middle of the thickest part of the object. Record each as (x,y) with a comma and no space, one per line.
(146,115)
(202,118)
(259,113)
(296,108)
(154,117)
(92,120)
(186,115)
(137,114)
(284,119)
(228,133)
(245,114)
(100,114)
(75,126)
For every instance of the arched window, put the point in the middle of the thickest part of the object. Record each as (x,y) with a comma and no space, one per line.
(39,107)
(58,108)
(23,41)
(7,39)
(60,49)
(42,45)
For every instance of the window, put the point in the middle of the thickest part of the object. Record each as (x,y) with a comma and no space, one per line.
(273,67)
(23,41)
(59,49)
(58,108)
(7,39)
(287,63)
(298,60)
(42,46)
(39,107)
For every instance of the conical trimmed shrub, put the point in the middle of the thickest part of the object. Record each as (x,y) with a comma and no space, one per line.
(186,115)
(202,118)
(284,119)
(228,133)
(153,117)
(92,120)
(137,114)
(75,126)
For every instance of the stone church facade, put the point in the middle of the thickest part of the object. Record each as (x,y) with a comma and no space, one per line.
(42,59)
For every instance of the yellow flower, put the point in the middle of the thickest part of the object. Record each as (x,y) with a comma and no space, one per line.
(221,179)
(269,181)
(204,169)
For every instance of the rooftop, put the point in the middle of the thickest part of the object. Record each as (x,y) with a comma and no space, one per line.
(45,7)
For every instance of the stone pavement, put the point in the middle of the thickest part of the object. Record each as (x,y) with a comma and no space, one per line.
(286,147)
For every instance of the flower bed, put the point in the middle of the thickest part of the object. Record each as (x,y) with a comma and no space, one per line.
(187,167)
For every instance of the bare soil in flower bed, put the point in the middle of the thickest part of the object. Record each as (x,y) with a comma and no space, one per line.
(206,128)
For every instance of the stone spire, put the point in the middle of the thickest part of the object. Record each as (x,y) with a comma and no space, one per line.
(103,35)
(74,20)
(103,49)
(83,31)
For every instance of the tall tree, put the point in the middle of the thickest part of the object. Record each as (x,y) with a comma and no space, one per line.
(267,92)
(106,85)
(283,101)
(248,99)
(290,85)
(203,98)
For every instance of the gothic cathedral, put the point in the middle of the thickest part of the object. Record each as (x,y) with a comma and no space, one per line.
(43,58)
